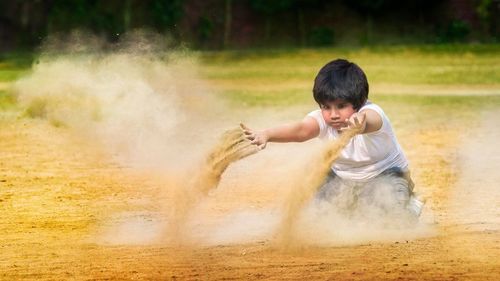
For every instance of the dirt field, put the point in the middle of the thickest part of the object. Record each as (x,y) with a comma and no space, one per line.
(67,212)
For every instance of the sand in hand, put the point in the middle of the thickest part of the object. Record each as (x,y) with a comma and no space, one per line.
(231,147)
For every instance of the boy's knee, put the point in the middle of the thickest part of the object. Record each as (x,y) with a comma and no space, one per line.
(388,193)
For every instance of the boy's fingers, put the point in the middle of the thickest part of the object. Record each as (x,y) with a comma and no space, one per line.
(363,117)
(245,128)
(356,121)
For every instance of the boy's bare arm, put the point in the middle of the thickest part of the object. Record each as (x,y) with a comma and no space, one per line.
(373,121)
(300,131)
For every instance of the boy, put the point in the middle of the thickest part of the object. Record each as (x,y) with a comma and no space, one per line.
(371,173)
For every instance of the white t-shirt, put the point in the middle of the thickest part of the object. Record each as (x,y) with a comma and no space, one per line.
(366,155)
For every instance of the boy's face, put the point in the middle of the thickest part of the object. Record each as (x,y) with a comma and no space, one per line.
(336,112)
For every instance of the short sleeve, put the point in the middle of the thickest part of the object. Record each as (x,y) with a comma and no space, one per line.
(385,121)
(321,122)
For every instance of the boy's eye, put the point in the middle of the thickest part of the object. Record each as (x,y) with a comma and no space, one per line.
(324,106)
(341,105)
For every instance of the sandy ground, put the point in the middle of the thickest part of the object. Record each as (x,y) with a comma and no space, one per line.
(68,212)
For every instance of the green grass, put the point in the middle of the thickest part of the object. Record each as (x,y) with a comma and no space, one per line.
(9,75)
(14,65)
(459,102)
(418,110)
(283,77)
(7,101)
(17,59)
(279,77)
(402,65)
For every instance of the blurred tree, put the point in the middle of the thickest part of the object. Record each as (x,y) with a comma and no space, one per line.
(22,22)
(97,16)
(205,30)
(228,16)
(27,22)
(166,14)
(367,8)
(488,14)
(321,36)
(455,31)
(302,7)
(127,14)
(419,7)
(270,8)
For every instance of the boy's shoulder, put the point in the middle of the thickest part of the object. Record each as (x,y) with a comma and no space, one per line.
(372,106)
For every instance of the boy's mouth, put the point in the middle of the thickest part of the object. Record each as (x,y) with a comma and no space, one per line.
(337,125)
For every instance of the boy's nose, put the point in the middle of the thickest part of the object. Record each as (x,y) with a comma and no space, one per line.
(334,114)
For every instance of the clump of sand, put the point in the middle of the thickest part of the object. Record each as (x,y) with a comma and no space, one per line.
(231,147)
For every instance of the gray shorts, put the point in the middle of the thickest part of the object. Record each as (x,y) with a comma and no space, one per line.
(389,194)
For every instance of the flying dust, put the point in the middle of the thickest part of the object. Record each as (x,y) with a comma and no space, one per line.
(306,188)
(133,99)
(232,146)
(147,108)
(141,102)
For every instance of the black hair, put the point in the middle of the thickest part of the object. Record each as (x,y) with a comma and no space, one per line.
(341,79)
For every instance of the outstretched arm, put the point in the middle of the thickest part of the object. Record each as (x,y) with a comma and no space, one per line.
(363,122)
(300,131)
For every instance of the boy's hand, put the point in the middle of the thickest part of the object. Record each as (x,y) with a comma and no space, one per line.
(258,138)
(356,123)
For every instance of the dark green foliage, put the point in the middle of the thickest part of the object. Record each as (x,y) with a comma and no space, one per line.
(37,19)
(166,13)
(367,6)
(488,12)
(321,36)
(98,16)
(455,31)
(205,29)
(269,7)
(250,23)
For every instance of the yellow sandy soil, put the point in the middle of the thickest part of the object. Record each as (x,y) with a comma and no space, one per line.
(56,191)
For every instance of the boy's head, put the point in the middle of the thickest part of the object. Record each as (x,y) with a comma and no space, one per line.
(341,80)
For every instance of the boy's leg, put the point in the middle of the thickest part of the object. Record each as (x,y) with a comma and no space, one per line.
(329,187)
(336,194)
(416,203)
(388,196)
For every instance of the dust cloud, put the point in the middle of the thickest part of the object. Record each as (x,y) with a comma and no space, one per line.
(141,104)
(308,185)
(144,103)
